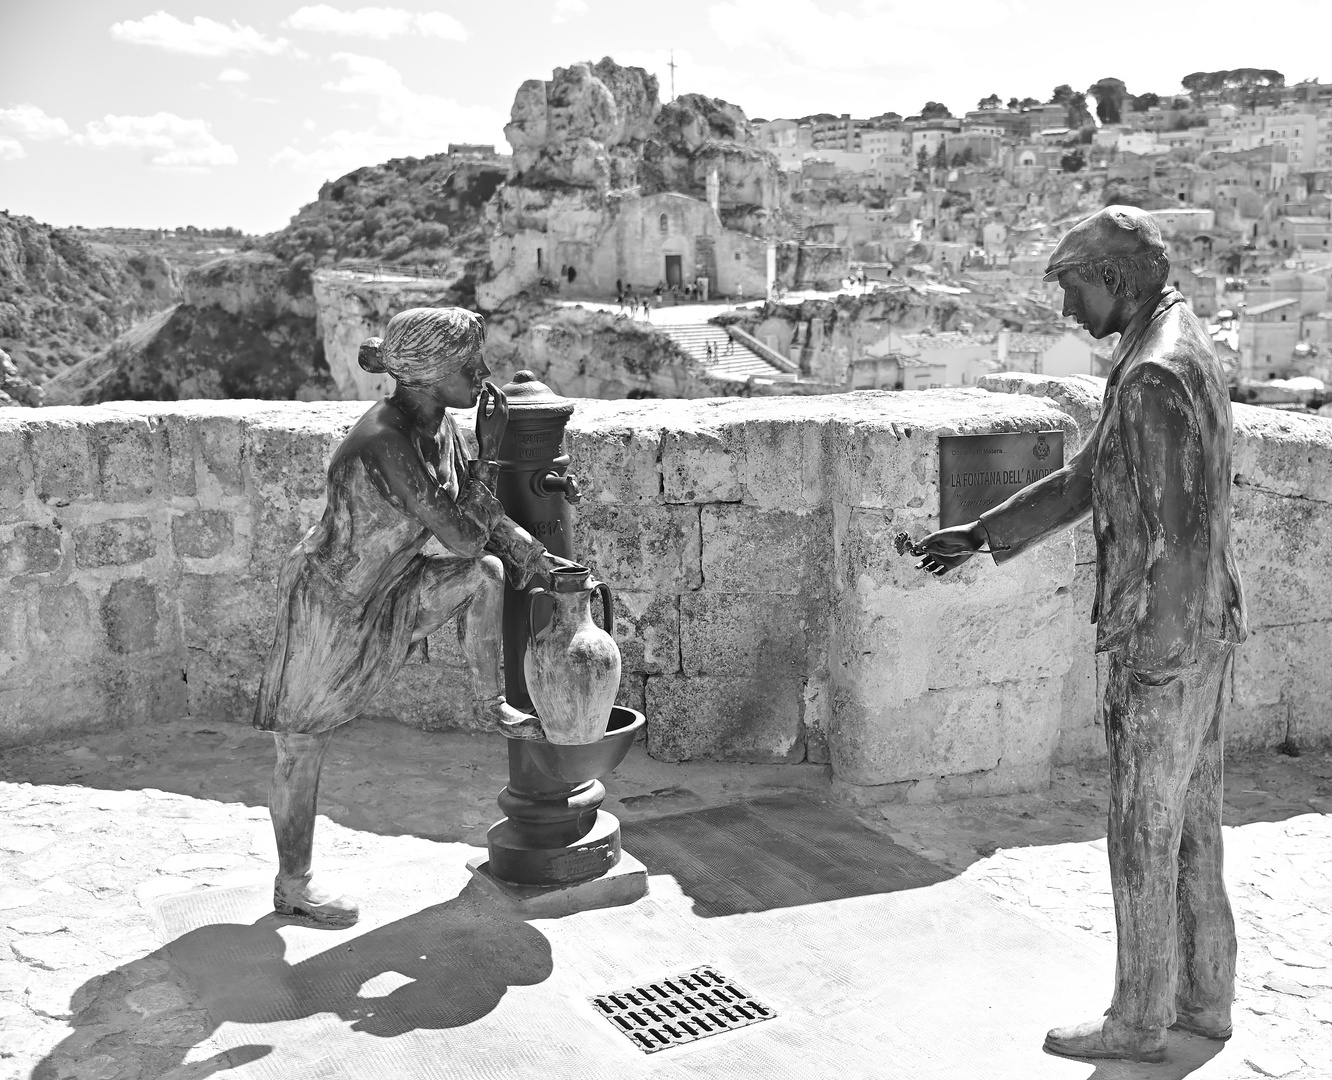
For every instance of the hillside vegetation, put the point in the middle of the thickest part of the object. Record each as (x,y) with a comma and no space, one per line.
(63,297)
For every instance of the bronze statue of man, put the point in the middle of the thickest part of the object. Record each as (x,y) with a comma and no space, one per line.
(358,594)
(1155,475)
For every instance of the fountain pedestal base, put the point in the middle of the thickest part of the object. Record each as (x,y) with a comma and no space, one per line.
(624,883)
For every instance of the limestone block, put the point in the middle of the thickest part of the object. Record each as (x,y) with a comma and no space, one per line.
(15,466)
(220,443)
(222,685)
(437,696)
(33,714)
(288,453)
(1078,395)
(1284,453)
(142,695)
(752,636)
(749,550)
(647,630)
(951,732)
(232,608)
(640,547)
(127,452)
(118,542)
(33,549)
(129,615)
(614,462)
(698,465)
(783,462)
(722,718)
(1284,560)
(201,534)
(58,449)
(65,622)
(1282,685)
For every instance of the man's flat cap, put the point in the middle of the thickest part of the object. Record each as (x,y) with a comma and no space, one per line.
(1113,232)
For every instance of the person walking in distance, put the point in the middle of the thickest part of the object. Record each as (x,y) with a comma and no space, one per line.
(1155,476)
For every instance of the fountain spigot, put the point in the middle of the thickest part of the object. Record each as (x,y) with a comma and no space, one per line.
(549,483)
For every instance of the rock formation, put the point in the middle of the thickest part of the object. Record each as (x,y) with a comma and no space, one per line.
(14,388)
(246,329)
(62,298)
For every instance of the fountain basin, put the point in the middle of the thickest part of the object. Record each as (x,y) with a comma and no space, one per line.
(580,763)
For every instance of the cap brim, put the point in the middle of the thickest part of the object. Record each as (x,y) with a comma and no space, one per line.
(1053,272)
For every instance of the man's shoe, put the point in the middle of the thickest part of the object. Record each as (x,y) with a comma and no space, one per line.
(1204,1023)
(300,898)
(1107,1038)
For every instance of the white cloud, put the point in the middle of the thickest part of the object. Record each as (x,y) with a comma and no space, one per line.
(569,9)
(376,22)
(407,123)
(172,142)
(233,75)
(11,149)
(32,123)
(202,37)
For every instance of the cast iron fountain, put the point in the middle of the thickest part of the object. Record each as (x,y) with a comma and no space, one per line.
(556,850)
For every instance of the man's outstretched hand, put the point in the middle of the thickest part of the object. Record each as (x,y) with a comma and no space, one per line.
(949,548)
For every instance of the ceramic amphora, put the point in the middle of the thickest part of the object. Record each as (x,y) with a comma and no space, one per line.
(573,666)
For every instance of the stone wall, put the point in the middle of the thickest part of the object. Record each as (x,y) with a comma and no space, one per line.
(763,612)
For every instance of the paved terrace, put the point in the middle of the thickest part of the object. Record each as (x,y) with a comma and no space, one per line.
(903,941)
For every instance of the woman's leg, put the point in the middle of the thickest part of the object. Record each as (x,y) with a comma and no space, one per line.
(291,804)
(471,591)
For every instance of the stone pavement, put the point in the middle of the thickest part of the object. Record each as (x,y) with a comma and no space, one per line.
(112,846)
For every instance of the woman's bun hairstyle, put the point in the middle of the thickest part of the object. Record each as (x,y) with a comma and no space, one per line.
(371,356)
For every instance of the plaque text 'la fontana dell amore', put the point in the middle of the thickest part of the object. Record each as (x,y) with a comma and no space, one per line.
(978,472)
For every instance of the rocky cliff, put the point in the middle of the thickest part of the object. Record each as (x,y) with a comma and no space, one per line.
(602,127)
(578,352)
(63,298)
(245,329)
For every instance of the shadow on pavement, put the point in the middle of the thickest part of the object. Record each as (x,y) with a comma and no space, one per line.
(1185,1054)
(782,851)
(442,967)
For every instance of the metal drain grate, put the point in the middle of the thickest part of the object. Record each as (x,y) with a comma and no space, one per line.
(680,1009)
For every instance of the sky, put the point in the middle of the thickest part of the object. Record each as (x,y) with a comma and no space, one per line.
(216,114)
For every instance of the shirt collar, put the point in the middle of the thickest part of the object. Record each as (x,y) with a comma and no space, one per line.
(1137,327)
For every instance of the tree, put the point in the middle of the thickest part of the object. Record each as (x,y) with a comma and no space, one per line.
(1028,103)
(935,110)
(941,156)
(922,159)
(991,102)
(1014,104)
(1063,94)
(1076,114)
(1143,102)
(1110,95)
(1073,161)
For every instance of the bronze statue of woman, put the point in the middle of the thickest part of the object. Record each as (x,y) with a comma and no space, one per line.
(357,595)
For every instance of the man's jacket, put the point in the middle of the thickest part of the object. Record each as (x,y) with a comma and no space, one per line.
(1155,475)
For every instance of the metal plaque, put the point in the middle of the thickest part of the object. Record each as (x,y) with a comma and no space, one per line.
(680,1009)
(978,472)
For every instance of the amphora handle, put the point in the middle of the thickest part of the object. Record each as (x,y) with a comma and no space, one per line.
(532,594)
(608,622)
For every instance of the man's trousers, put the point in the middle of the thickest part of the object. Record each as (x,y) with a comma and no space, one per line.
(1176,934)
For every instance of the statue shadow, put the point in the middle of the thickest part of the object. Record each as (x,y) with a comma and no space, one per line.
(1185,1054)
(774,852)
(445,966)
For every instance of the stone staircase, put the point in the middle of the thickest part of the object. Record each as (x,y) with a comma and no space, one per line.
(730,359)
